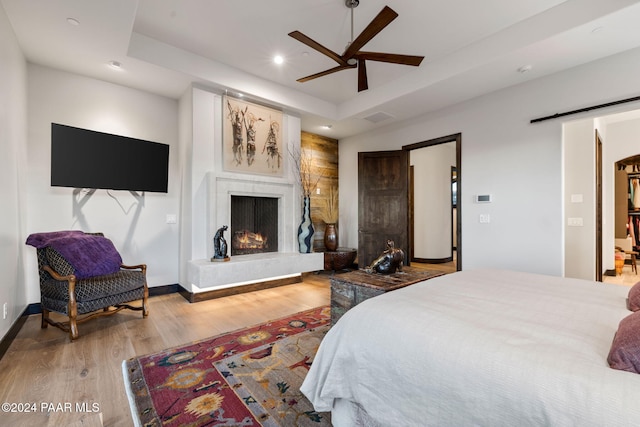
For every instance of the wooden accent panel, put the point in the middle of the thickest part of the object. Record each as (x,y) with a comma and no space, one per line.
(324,154)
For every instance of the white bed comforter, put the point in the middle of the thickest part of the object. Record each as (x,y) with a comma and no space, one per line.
(481,348)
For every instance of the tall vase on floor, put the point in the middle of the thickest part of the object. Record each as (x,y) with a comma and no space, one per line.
(305,230)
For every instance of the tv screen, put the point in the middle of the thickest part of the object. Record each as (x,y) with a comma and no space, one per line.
(82,158)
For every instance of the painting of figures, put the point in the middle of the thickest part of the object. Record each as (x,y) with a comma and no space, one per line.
(252,138)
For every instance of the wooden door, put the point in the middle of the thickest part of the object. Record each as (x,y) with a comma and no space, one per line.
(383,214)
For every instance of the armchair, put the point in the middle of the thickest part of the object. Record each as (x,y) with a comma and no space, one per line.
(69,288)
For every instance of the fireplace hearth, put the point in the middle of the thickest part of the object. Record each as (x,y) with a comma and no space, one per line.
(254,225)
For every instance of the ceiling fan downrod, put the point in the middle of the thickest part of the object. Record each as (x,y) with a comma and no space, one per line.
(351,4)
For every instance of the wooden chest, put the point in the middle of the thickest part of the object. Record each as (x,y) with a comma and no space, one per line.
(350,289)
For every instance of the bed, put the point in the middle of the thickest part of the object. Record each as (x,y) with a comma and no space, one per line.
(481,348)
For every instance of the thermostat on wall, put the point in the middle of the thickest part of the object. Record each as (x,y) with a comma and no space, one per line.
(483,198)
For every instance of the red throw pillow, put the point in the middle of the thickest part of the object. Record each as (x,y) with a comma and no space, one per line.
(625,349)
(633,299)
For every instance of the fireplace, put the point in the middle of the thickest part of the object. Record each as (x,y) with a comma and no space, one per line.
(254,225)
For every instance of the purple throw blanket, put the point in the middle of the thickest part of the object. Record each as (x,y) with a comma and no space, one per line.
(89,255)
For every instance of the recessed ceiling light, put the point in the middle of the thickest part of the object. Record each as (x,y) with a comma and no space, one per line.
(278,59)
(597,30)
(327,126)
(115,65)
(73,21)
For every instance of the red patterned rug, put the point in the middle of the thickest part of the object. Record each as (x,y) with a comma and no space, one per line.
(250,377)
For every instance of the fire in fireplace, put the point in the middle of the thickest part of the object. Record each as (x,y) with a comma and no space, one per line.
(254,225)
(245,239)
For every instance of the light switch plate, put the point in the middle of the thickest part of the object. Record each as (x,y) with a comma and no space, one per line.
(574,222)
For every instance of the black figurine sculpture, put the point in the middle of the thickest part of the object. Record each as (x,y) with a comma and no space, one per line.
(220,245)
(389,261)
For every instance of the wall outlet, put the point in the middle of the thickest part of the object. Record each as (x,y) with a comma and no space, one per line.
(4,311)
(484,219)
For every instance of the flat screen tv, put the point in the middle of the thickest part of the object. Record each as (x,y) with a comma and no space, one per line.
(82,158)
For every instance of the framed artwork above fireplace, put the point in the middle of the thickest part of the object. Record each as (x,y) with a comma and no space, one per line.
(252,138)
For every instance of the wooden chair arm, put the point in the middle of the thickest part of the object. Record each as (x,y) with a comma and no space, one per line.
(58,277)
(142,267)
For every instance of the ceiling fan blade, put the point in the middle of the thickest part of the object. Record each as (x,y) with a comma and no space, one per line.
(363,84)
(317,46)
(391,57)
(383,19)
(326,72)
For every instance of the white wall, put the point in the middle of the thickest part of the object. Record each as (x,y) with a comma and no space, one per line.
(185,112)
(137,226)
(13,136)
(579,201)
(503,154)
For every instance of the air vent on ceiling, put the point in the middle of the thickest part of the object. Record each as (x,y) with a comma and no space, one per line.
(378,117)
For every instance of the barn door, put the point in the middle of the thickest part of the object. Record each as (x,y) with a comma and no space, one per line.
(383,191)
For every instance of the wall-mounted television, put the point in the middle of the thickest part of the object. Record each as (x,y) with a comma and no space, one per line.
(82,158)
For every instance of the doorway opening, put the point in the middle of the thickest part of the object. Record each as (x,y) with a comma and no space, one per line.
(385,201)
(589,192)
(434,203)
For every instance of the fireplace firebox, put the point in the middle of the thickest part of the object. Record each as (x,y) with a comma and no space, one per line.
(254,225)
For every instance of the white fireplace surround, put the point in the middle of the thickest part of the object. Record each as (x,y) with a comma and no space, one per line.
(205,275)
(220,196)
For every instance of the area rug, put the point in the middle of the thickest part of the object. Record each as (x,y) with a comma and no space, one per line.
(250,377)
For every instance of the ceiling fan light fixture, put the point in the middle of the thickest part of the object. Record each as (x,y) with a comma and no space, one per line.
(352,3)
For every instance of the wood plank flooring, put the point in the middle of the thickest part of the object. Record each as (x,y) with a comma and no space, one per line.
(43,367)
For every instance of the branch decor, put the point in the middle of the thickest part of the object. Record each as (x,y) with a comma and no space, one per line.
(302,164)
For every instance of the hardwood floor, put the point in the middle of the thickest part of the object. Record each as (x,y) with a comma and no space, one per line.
(627,278)
(447,267)
(44,368)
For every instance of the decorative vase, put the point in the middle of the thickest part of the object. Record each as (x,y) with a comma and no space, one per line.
(305,230)
(330,237)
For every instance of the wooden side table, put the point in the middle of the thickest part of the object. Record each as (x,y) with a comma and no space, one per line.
(350,289)
(340,259)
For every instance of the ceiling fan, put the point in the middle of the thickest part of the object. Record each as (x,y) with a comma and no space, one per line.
(353,57)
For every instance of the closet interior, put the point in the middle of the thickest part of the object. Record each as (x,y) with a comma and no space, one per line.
(627,203)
